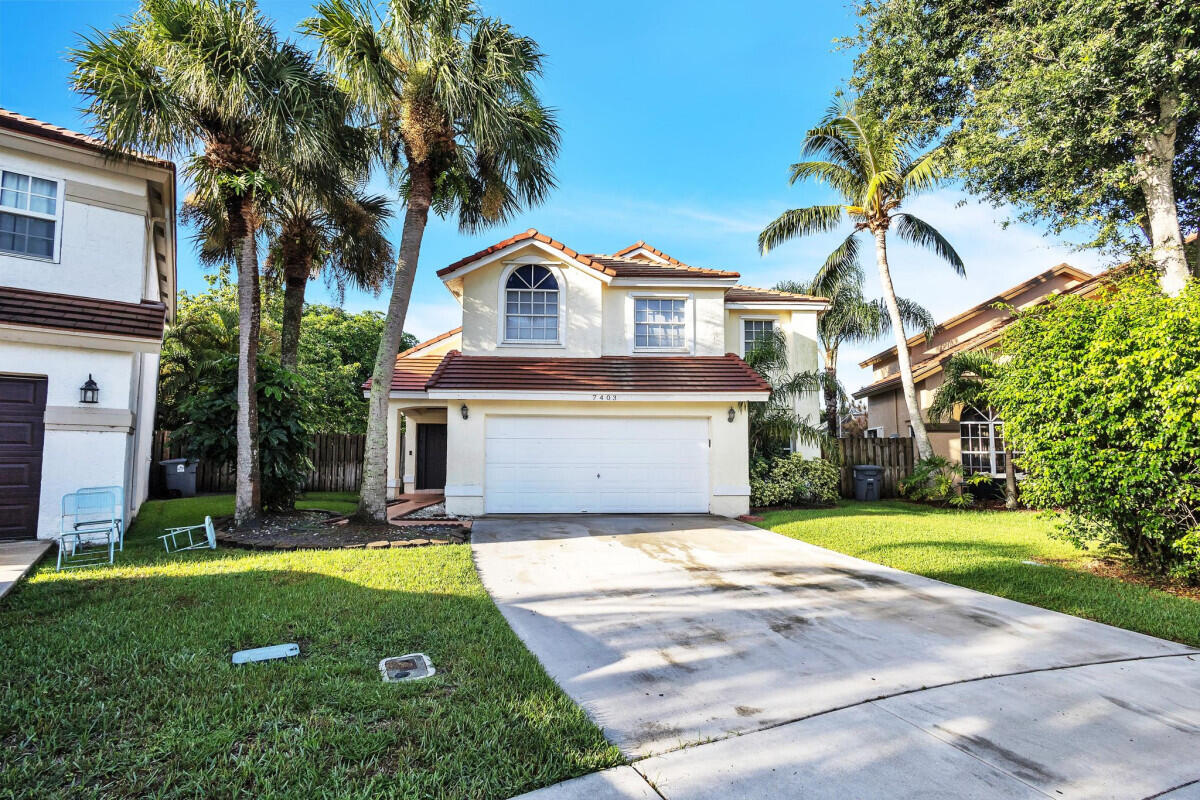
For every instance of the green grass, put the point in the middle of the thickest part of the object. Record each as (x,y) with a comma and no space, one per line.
(983,550)
(117,681)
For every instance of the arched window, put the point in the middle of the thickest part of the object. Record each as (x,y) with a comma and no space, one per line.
(531,305)
(982,438)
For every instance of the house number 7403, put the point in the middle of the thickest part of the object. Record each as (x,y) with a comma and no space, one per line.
(604,397)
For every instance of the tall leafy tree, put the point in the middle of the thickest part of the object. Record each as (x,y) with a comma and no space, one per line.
(452,97)
(852,319)
(1077,112)
(968,379)
(211,82)
(875,168)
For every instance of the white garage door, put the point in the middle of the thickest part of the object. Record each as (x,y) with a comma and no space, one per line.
(538,465)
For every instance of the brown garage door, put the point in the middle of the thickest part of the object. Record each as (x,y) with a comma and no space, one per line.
(22,431)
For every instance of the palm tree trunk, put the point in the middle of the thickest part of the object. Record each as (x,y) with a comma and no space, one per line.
(1155,180)
(295,284)
(1010,481)
(832,422)
(247,504)
(924,448)
(372,501)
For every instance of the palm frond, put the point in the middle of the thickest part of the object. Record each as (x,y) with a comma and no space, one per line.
(966,377)
(916,231)
(798,222)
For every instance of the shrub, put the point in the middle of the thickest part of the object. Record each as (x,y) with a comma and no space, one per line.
(793,480)
(1102,399)
(210,414)
(940,481)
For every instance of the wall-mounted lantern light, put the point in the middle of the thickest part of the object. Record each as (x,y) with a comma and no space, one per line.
(90,391)
(466,412)
(732,414)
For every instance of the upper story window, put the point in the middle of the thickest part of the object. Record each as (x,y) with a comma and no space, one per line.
(755,331)
(531,305)
(660,323)
(29,214)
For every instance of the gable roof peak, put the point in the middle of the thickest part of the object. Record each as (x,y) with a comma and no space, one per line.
(640,248)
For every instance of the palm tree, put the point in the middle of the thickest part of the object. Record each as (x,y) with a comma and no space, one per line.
(333,229)
(451,96)
(875,170)
(851,318)
(774,424)
(210,80)
(967,379)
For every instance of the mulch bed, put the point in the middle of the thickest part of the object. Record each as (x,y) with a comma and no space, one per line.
(326,530)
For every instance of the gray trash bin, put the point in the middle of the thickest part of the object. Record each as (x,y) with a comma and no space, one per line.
(867,480)
(181,476)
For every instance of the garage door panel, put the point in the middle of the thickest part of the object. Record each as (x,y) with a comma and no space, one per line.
(596,464)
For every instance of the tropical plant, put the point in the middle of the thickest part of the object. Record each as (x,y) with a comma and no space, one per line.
(775,426)
(211,82)
(1101,396)
(967,377)
(1084,114)
(314,225)
(875,169)
(940,481)
(210,412)
(451,95)
(852,319)
(793,480)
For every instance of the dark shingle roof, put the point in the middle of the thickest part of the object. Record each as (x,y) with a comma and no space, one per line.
(87,314)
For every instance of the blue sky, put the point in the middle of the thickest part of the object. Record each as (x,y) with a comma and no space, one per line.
(679,120)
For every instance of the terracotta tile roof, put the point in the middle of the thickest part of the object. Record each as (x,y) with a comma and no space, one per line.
(926,367)
(439,338)
(68,312)
(411,374)
(751,294)
(604,374)
(633,268)
(531,234)
(641,245)
(11,120)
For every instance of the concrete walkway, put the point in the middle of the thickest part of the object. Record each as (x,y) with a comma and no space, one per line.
(727,661)
(17,558)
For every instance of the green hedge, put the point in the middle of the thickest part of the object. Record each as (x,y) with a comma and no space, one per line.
(793,480)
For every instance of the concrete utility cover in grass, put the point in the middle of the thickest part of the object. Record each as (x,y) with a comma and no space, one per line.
(411,667)
(678,633)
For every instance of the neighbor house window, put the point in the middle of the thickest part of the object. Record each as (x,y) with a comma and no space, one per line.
(874,433)
(531,305)
(982,436)
(28,214)
(659,323)
(755,332)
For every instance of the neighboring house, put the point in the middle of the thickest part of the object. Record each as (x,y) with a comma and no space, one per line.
(589,383)
(975,439)
(87,278)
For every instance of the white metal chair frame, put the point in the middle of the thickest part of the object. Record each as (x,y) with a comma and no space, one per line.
(172,538)
(87,527)
(118,510)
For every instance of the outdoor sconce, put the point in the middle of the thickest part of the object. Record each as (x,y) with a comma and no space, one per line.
(466,412)
(732,414)
(90,391)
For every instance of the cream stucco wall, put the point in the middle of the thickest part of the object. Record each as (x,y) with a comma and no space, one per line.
(705,311)
(729,490)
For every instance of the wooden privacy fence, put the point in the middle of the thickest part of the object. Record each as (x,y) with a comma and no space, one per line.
(894,455)
(336,458)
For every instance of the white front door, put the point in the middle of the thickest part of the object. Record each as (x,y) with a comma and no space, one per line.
(541,465)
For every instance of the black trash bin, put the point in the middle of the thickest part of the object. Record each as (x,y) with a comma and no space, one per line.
(181,476)
(867,480)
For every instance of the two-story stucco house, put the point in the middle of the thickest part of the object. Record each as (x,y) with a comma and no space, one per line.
(589,383)
(976,438)
(87,279)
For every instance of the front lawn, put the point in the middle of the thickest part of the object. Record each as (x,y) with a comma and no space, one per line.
(984,550)
(117,681)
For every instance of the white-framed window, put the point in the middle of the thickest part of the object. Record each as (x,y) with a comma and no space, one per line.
(755,331)
(30,215)
(982,437)
(874,433)
(531,305)
(660,323)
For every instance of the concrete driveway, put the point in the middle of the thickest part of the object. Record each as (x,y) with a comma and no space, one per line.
(728,661)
